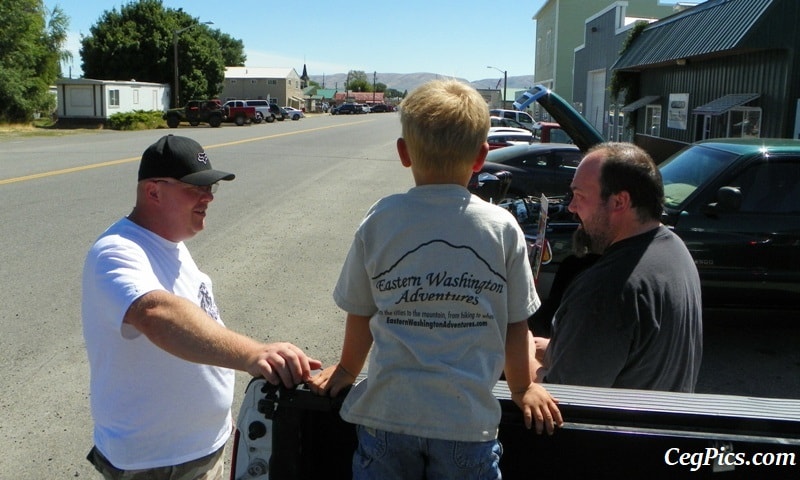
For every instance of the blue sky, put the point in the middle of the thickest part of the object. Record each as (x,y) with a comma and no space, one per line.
(451,38)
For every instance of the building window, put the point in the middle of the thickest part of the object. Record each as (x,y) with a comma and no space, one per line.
(253,81)
(272,82)
(744,122)
(232,81)
(653,120)
(136,96)
(113,98)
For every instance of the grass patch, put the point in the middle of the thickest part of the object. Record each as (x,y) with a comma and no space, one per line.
(47,127)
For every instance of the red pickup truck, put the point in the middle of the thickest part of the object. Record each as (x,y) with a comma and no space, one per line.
(240,114)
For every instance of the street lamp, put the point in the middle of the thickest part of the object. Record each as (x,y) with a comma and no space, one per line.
(175,34)
(505,82)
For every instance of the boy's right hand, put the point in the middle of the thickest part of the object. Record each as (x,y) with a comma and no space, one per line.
(331,381)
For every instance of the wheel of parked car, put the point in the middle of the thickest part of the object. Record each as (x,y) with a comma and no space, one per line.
(215,121)
(295,117)
(173,121)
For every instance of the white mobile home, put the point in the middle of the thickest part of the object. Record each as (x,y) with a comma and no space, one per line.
(85,98)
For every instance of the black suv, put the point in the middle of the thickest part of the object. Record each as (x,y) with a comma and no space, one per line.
(347,109)
(279,113)
(379,108)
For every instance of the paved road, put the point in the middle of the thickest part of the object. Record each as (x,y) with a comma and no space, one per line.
(274,243)
(275,240)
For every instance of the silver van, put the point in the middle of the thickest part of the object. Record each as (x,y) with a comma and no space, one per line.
(519,116)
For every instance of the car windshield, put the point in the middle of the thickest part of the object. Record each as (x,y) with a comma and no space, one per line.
(559,136)
(692,167)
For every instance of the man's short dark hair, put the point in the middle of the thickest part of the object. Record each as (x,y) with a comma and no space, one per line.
(629,168)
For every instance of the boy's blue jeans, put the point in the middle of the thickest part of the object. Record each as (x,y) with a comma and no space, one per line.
(394,456)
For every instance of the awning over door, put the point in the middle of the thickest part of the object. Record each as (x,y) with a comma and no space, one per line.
(640,103)
(723,104)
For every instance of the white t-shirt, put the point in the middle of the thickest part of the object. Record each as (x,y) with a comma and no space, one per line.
(441,273)
(150,408)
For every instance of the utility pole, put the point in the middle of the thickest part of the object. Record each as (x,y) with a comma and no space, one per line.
(176,85)
(505,83)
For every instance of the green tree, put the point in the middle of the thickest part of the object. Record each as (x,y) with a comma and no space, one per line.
(357,81)
(232,49)
(31,46)
(138,42)
(392,93)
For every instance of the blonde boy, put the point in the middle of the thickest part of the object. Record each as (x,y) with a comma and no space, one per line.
(438,285)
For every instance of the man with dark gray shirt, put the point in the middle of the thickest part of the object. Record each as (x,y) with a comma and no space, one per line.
(634,318)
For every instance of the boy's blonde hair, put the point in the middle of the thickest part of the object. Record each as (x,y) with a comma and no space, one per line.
(444,124)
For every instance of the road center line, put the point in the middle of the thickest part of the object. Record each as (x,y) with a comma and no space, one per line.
(136,159)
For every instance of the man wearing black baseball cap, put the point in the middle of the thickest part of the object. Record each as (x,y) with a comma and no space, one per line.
(180,158)
(162,362)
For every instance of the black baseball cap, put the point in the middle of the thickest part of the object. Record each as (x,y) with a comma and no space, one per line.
(181,158)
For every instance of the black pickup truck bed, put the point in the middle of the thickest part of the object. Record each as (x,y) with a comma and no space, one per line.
(293,434)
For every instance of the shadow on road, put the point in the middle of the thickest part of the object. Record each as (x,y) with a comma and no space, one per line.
(751,353)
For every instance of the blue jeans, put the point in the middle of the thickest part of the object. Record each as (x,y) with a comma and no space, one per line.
(385,455)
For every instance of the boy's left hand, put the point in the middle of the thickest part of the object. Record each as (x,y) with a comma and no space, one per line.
(537,404)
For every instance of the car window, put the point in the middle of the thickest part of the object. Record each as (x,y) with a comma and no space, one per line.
(559,136)
(554,160)
(509,138)
(570,159)
(531,161)
(770,187)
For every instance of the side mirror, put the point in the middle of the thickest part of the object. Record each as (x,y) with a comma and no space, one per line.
(490,187)
(729,199)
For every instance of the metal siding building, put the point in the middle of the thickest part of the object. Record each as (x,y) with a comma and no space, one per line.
(747,48)
(605,33)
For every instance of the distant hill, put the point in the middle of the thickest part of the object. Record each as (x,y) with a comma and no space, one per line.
(410,81)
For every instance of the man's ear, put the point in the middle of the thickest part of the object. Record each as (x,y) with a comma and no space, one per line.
(621,200)
(481,158)
(402,151)
(151,191)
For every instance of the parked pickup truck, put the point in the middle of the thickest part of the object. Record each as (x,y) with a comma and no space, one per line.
(240,113)
(196,112)
(608,433)
(262,109)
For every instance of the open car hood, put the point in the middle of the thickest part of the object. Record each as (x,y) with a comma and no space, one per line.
(578,128)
